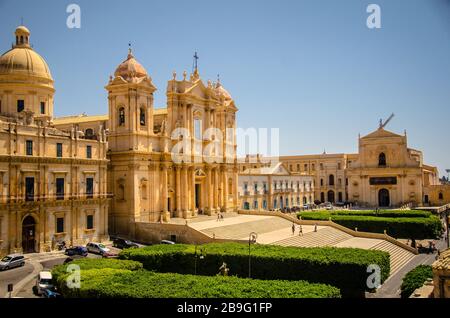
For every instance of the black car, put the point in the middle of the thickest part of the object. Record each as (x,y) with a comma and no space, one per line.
(72,258)
(123,243)
(76,250)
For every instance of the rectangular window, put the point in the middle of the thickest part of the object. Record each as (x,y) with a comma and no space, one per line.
(89,222)
(59,150)
(29,146)
(89,152)
(20,105)
(59,225)
(89,187)
(29,189)
(59,188)
(42,108)
(339,166)
(198,129)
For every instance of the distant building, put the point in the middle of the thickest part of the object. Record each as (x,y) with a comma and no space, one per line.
(274,187)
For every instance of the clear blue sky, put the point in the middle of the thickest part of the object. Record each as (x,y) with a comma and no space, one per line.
(311,68)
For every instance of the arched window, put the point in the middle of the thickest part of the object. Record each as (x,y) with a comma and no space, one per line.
(331,180)
(21,39)
(142,116)
(382,160)
(441,196)
(321,182)
(121,116)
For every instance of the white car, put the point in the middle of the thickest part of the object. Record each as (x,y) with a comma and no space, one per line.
(43,281)
(97,248)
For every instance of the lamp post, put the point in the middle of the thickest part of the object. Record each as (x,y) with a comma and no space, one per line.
(251,239)
(195,259)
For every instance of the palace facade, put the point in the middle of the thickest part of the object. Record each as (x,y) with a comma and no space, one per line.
(53,182)
(271,188)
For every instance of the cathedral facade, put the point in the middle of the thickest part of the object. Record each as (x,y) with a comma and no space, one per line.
(172,162)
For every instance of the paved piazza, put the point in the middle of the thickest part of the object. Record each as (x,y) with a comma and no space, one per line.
(278,231)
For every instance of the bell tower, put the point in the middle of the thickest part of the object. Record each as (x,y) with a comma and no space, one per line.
(130,100)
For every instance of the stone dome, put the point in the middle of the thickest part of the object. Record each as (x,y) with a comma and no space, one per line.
(130,69)
(221,91)
(23,60)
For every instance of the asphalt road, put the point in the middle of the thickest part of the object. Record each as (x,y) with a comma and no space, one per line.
(13,276)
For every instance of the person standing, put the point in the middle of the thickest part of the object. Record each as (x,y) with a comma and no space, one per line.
(300,231)
(293,228)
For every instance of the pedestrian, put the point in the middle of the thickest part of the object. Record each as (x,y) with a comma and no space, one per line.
(300,231)
(218,217)
(293,228)
(221,216)
(315,227)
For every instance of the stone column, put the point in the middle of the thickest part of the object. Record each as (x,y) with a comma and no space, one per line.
(209,198)
(178,191)
(225,189)
(192,176)
(184,191)
(165,208)
(216,189)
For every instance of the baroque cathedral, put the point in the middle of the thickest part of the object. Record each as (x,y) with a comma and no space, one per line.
(80,178)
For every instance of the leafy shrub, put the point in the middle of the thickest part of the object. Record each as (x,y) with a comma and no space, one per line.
(345,268)
(96,263)
(415,279)
(419,227)
(116,283)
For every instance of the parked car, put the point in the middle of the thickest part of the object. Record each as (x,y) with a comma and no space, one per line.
(50,293)
(123,243)
(97,248)
(167,242)
(12,261)
(76,250)
(43,281)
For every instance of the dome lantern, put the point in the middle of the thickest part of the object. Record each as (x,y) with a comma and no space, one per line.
(22,36)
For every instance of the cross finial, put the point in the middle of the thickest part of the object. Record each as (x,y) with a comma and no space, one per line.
(218,78)
(196,62)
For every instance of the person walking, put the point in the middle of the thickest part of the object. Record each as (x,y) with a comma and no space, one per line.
(293,228)
(315,227)
(300,231)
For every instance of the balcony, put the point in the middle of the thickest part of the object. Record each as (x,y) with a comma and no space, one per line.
(53,197)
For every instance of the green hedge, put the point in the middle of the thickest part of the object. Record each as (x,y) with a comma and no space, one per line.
(96,263)
(345,268)
(418,228)
(415,279)
(116,283)
(383,213)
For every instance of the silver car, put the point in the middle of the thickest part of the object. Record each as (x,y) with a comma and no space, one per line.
(12,261)
(97,248)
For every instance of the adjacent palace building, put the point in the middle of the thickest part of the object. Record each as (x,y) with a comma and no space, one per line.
(80,178)
(384,173)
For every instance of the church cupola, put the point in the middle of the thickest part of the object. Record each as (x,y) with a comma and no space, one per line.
(22,36)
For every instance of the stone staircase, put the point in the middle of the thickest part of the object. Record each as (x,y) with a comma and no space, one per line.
(399,256)
(324,237)
(242,230)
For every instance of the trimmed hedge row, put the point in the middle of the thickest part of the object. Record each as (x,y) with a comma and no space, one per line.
(345,268)
(119,283)
(383,213)
(418,228)
(100,263)
(415,279)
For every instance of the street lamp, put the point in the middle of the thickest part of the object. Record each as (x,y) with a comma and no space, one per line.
(251,239)
(195,258)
